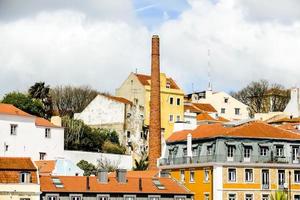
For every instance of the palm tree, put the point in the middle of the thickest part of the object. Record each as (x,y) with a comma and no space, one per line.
(141,164)
(279,195)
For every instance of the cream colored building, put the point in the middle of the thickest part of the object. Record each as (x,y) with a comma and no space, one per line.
(137,87)
(226,106)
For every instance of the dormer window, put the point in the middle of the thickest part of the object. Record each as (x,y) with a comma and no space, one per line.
(168,84)
(24,177)
(13,129)
(226,100)
(47,133)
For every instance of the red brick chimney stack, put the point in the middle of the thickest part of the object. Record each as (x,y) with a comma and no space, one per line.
(155,123)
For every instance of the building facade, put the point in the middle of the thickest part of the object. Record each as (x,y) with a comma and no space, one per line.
(24,135)
(137,87)
(121,115)
(18,179)
(226,106)
(243,162)
(117,186)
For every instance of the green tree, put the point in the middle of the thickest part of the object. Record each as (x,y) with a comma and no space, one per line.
(42,92)
(88,168)
(279,195)
(109,147)
(25,103)
(141,164)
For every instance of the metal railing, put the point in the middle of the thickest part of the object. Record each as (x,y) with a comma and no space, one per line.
(225,158)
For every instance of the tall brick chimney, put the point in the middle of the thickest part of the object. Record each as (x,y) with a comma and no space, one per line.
(155,123)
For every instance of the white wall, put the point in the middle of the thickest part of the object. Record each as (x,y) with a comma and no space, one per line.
(122,161)
(102,110)
(17,191)
(30,139)
(217,101)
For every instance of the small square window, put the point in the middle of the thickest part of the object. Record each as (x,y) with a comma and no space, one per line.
(263,151)
(52,197)
(223,110)
(178,102)
(226,100)
(171,100)
(75,197)
(42,156)
(265,197)
(103,197)
(171,118)
(13,129)
(237,111)
(129,198)
(249,197)
(47,133)
(24,177)
(231,196)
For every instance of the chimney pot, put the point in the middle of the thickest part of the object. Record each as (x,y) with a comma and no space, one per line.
(103,175)
(121,175)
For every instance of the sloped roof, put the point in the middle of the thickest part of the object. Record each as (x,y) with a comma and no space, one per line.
(45,167)
(43,122)
(9,109)
(253,129)
(79,184)
(199,107)
(205,117)
(16,163)
(145,80)
(119,99)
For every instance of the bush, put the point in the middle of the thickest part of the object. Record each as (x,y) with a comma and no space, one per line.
(109,147)
(88,168)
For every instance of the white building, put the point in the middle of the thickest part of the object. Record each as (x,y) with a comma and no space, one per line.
(121,115)
(24,135)
(293,107)
(226,106)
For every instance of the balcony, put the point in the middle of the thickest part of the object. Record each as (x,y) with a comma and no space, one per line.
(224,158)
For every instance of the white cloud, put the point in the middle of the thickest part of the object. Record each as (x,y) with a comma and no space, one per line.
(71,46)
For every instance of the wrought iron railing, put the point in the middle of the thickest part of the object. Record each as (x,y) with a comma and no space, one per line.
(225,158)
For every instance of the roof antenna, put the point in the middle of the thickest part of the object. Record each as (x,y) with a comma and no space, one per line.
(209,71)
(136,70)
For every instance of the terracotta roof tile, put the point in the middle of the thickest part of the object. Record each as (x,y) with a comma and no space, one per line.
(16,163)
(45,167)
(9,109)
(250,130)
(145,80)
(43,122)
(205,117)
(119,99)
(79,184)
(205,107)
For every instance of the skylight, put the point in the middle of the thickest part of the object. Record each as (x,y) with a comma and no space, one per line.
(57,183)
(158,184)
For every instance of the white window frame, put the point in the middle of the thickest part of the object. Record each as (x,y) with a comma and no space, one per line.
(280,178)
(251,198)
(297,177)
(233,175)
(206,196)
(192,177)
(151,197)
(269,184)
(182,175)
(252,175)
(209,150)
(263,197)
(25,177)
(263,151)
(13,129)
(171,118)
(52,196)
(230,198)
(129,196)
(237,111)
(76,196)
(179,197)
(103,196)
(279,150)
(206,175)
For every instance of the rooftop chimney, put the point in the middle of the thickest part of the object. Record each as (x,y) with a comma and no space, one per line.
(155,123)
(121,175)
(102,176)
(87,183)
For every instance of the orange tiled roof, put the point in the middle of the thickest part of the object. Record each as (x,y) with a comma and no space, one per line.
(119,99)
(250,130)
(222,119)
(206,107)
(45,167)
(145,80)
(205,117)
(9,109)
(16,163)
(139,174)
(43,122)
(79,184)
(286,120)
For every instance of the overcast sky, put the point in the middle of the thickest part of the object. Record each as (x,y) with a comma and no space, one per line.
(99,42)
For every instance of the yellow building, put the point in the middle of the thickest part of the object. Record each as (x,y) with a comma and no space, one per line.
(248,161)
(137,87)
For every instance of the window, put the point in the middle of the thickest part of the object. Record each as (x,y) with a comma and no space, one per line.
(297,176)
(128,134)
(265,197)
(179,198)
(247,151)
(13,129)
(297,197)
(102,197)
(265,179)
(231,175)
(182,178)
(153,197)
(178,118)
(75,197)
(231,196)
(206,196)
(223,110)
(52,197)
(226,100)
(171,100)
(47,133)
(248,175)
(192,176)
(24,198)
(230,151)
(42,156)
(263,151)
(178,102)
(281,178)
(171,118)
(209,150)
(279,151)
(129,197)
(206,176)
(24,177)
(249,197)
(168,84)
(237,111)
